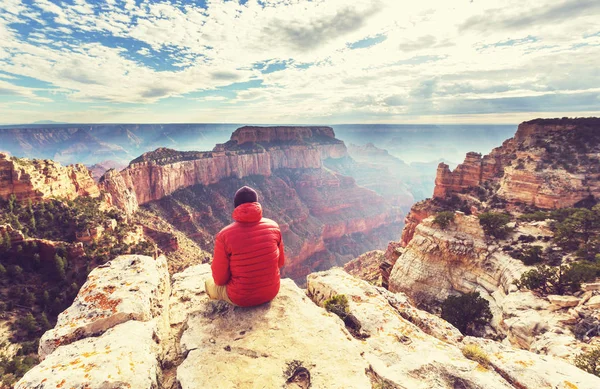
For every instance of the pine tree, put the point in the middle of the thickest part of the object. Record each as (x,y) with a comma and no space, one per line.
(44,322)
(59,265)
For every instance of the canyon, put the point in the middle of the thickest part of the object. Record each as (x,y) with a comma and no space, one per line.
(547,165)
(325,217)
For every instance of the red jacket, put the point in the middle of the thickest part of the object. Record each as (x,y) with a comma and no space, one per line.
(248,255)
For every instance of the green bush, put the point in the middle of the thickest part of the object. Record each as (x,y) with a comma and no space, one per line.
(558,279)
(443,219)
(531,255)
(589,362)
(495,224)
(337,304)
(466,311)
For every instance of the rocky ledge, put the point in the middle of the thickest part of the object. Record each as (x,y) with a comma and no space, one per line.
(131,326)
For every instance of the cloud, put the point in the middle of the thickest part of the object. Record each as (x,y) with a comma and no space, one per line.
(542,15)
(306,35)
(301,60)
(8,89)
(421,42)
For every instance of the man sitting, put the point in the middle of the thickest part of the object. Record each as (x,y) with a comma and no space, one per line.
(247,257)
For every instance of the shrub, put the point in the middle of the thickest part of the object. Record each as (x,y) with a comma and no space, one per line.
(532,255)
(495,224)
(443,219)
(589,362)
(466,311)
(337,304)
(558,280)
(476,353)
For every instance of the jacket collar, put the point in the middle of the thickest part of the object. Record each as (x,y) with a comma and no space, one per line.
(247,213)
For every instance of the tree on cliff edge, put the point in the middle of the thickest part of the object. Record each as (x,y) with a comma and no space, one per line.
(466,311)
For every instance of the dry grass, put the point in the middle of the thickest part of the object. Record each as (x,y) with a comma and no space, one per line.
(475,353)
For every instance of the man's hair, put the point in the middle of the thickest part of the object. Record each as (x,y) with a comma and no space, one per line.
(245,195)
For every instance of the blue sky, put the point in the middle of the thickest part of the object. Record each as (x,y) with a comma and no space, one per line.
(298,61)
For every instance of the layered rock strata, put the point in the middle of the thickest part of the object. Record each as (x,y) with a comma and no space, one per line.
(159,173)
(549,164)
(211,344)
(40,179)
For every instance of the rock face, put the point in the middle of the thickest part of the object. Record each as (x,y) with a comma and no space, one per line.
(290,342)
(367,266)
(158,174)
(39,179)
(253,134)
(549,163)
(106,300)
(437,262)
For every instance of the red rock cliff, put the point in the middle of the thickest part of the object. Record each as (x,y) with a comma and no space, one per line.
(158,174)
(39,179)
(549,163)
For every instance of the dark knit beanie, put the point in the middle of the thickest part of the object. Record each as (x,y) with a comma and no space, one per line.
(245,195)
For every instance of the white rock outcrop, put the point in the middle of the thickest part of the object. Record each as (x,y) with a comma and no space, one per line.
(187,341)
(131,287)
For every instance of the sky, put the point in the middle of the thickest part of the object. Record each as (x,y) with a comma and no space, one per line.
(298,61)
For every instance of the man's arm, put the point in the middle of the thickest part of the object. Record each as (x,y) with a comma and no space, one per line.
(281,252)
(220,263)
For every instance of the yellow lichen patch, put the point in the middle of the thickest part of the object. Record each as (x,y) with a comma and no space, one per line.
(570,385)
(525,363)
(75,362)
(91,354)
(89,367)
(61,383)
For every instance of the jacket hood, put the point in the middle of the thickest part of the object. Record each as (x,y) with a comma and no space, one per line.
(247,213)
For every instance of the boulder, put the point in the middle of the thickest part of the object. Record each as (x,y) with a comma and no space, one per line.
(593,302)
(400,352)
(125,356)
(130,287)
(526,370)
(560,302)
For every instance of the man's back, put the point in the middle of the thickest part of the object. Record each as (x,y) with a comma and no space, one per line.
(248,255)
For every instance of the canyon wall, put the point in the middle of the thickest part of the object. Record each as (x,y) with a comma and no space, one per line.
(156,176)
(325,217)
(40,179)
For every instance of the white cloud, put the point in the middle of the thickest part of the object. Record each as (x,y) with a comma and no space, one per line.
(434,52)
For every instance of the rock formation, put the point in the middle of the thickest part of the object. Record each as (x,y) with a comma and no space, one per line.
(40,179)
(157,174)
(126,330)
(549,164)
